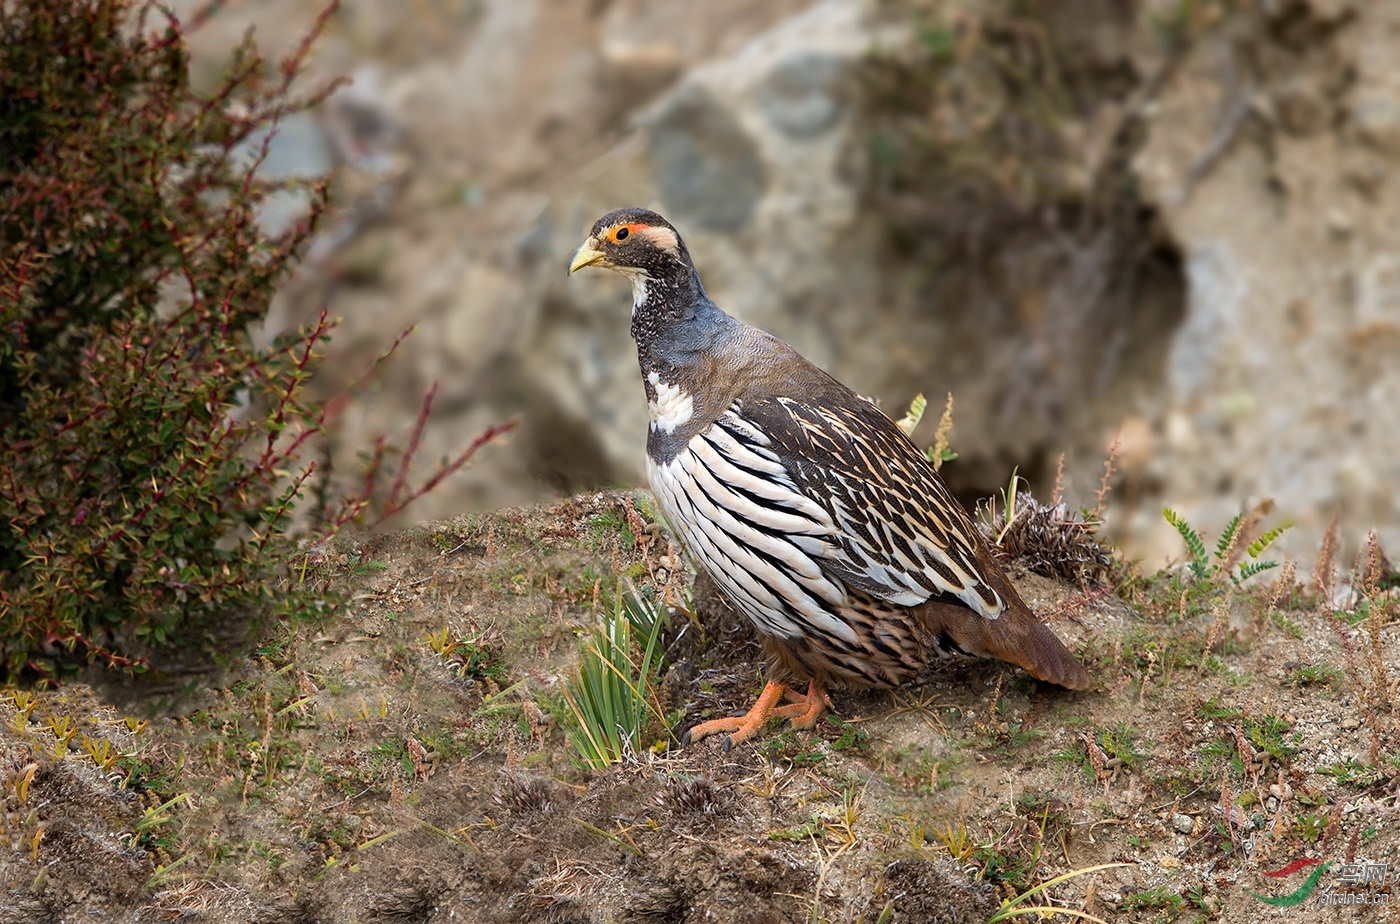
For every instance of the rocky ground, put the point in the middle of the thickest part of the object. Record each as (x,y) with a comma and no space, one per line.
(406,759)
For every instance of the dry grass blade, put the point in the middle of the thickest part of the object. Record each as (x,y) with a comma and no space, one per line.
(1009,910)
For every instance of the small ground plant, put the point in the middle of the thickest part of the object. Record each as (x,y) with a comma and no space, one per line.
(615,698)
(1230,550)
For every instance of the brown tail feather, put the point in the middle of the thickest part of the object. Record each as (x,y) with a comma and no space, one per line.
(1016,636)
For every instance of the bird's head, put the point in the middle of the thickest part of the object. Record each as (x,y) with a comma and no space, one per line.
(640,245)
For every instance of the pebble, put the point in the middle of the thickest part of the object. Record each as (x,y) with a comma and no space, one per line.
(1183,823)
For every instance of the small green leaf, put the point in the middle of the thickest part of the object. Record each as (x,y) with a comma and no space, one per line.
(1227,538)
(910,421)
(1264,541)
(1200,561)
(1250,570)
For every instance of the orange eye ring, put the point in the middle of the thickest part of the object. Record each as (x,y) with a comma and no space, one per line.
(622,232)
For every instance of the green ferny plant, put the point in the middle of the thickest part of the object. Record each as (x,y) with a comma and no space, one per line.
(1208,568)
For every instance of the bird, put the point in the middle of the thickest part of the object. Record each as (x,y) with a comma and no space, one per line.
(810,509)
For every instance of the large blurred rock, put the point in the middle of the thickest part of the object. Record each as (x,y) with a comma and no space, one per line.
(755,157)
(499,110)
(1263,361)
(1284,379)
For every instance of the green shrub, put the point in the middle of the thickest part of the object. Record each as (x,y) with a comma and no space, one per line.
(149,449)
(136,502)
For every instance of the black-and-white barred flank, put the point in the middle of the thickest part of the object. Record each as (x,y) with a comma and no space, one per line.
(817,568)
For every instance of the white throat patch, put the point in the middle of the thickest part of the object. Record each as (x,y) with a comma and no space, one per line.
(672,406)
(639,280)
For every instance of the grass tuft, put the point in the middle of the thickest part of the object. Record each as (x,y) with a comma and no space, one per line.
(615,696)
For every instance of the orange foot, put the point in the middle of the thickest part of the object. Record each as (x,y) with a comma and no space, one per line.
(803,712)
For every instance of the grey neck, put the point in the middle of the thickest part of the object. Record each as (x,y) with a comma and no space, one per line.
(675,322)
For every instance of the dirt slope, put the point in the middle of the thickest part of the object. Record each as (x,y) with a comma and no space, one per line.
(349,771)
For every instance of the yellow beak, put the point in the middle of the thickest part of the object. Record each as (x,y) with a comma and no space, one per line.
(587,255)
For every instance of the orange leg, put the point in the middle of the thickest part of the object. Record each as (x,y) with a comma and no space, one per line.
(803,712)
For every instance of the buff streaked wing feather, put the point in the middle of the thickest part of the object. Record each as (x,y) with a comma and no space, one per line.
(903,537)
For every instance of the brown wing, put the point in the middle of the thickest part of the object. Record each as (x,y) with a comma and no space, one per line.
(901,536)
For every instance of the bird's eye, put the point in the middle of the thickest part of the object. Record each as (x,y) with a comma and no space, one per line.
(621,234)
